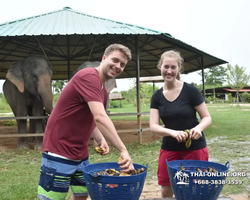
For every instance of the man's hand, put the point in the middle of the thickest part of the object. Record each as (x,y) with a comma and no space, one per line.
(125,162)
(102,147)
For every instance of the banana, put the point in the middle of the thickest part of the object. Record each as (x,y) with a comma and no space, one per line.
(188,141)
(124,174)
(138,171)
(211,169)
(120,159)
(199,169)
(112,172)
(100,150)
(183,168)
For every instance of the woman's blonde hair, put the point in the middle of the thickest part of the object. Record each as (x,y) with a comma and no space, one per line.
(172,54)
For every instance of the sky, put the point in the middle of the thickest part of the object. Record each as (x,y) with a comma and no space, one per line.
(217,27)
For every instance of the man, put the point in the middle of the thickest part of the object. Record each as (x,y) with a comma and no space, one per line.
(79,114)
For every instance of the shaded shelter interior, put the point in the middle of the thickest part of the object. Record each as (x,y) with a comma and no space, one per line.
(80,37)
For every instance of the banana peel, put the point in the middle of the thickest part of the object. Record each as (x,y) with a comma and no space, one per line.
(100,150)
(188,141)
(114,172)
(134,172)
(183,168)
(120,159)
(125,174)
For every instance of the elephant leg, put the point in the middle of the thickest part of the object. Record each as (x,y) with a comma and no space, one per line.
(32,130)
(39,124)
(22,123)
(39,129)
(22,128)
(16,100)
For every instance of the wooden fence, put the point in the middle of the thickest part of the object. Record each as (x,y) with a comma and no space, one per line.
(138,130)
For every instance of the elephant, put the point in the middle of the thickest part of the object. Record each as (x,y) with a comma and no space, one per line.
(28,90)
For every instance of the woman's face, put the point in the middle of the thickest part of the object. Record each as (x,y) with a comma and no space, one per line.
(169,69)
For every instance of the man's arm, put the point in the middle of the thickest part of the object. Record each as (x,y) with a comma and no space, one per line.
(107,128)
(99,140)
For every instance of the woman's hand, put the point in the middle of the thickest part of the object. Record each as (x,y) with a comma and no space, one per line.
(195,133)
(180,136)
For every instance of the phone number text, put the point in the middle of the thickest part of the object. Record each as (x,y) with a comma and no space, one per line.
(218,182)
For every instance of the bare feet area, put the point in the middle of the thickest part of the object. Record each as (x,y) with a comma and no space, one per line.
(151,188)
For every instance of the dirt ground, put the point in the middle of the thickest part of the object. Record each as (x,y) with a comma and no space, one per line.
(127,137)
(151,188)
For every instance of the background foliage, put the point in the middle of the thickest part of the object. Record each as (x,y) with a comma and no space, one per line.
(227,137)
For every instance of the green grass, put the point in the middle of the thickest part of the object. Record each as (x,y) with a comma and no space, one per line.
(228,140)
(129,108)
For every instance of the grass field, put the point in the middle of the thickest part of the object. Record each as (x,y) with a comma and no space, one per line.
(228,140)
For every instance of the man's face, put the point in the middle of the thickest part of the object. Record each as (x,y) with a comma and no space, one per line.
(114,64)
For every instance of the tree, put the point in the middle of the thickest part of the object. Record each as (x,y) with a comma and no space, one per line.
(237,78)
(58,85)
(215,76)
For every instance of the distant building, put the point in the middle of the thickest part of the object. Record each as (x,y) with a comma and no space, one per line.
(223,92)
(115,97)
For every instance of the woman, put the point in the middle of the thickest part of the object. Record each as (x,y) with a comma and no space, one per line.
(176,104)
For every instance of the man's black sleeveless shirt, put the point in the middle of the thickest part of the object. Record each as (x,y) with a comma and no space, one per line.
(179,114)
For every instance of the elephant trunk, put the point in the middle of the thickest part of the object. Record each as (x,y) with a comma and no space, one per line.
(45,91)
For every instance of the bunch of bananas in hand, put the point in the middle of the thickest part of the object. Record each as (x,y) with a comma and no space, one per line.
(100,150)
(188,141)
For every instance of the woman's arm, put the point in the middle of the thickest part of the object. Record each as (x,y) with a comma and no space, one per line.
(196,132)
(156,128)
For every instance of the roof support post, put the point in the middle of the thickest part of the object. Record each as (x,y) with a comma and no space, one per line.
(203,78)
(138,89)
(68,57)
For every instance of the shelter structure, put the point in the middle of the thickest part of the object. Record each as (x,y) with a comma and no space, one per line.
(226,90)
(223,92)
(154,79)
(115,97)
(67,38)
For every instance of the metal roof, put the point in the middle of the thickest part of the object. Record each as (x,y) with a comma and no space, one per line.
(226,90)
(68,38)
(116,96)
(67,22)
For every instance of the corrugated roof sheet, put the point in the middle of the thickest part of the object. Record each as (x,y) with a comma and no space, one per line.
(67,22)
(242,90)
(67,38)
(115,96)
(225,90)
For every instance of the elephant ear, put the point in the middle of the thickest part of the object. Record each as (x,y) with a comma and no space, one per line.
(15,76)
